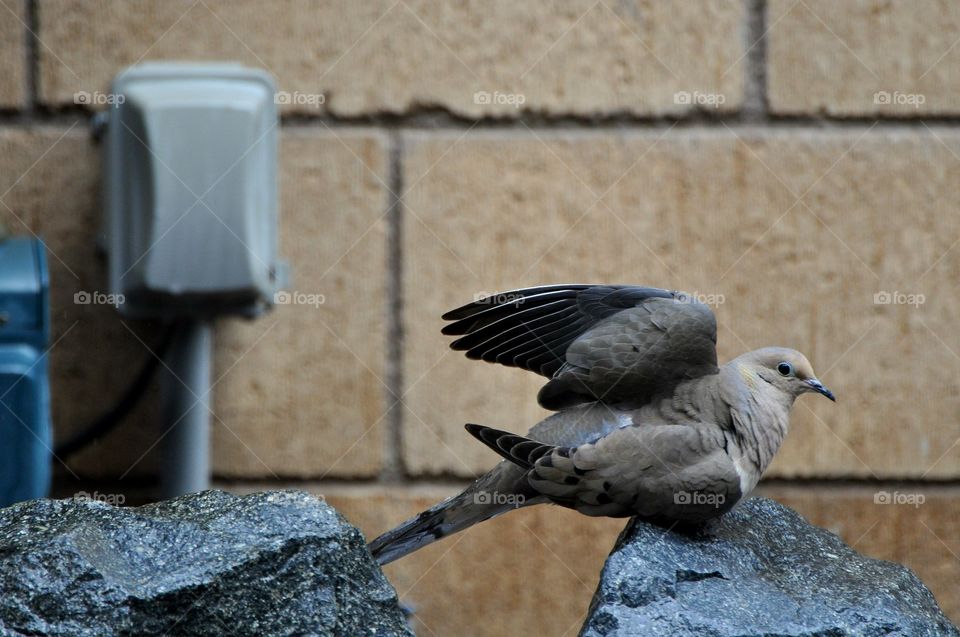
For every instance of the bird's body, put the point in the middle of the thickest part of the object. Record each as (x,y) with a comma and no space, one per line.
(647,424)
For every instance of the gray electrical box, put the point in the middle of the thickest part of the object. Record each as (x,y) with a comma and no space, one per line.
(190,189)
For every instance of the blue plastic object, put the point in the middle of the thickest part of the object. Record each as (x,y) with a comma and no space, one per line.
(25,430)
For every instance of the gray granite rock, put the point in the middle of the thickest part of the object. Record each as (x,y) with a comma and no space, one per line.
(279,563)
(759,570)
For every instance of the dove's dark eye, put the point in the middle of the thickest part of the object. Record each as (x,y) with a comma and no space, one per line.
(785,369)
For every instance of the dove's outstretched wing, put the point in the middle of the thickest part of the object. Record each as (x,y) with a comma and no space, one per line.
(617,344)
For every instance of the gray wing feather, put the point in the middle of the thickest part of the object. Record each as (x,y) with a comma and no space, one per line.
(637,354)
(617,344)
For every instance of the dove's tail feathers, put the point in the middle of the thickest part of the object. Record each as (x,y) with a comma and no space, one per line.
(517,449)
(443,519)
(503,489)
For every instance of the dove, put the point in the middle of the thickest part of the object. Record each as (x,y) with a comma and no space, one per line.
(647,424)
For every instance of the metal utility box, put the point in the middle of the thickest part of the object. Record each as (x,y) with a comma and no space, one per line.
(190,189)
(25,431)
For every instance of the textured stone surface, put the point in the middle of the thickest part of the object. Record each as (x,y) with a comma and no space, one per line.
(301,390)
(759,570)
(916,525)
(12,42)
(385,56)
(714,213)
(49,180)
(875,57)
(208,564)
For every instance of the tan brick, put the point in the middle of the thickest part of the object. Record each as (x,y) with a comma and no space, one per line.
(13,53)
(49,187)
(372,57)
(842,57)
(711,212)
(922,537)
(470,584)
(301,392)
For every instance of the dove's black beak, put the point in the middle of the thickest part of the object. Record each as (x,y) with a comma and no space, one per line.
(817,386)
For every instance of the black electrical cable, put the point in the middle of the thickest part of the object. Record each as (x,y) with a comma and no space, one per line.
(108,421)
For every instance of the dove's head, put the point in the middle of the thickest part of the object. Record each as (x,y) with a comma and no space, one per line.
(787,370)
